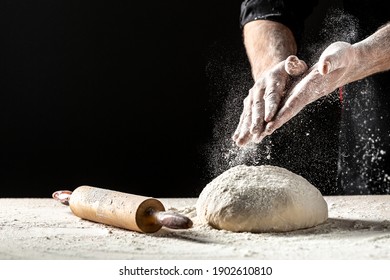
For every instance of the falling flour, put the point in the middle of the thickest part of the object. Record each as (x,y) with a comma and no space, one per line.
(261,198)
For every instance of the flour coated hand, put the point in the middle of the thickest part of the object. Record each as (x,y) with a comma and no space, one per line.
(331,72)
(264,99)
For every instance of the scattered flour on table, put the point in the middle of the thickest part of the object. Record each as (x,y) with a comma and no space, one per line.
(261,199)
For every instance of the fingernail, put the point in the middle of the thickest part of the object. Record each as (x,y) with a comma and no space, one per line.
(326,68)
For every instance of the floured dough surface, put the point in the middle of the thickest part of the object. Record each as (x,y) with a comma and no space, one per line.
(261,199)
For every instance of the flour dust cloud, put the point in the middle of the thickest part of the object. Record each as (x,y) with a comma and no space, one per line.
(310,144)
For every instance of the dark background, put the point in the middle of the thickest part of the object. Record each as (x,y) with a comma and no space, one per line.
(109,93)
(136,96)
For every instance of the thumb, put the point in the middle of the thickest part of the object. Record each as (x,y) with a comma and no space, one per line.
(335,56)
(294,66)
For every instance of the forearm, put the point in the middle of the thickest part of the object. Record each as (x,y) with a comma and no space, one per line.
(267,43)
(373,54)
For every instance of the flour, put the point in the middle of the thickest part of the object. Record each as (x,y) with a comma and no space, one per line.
(261,199)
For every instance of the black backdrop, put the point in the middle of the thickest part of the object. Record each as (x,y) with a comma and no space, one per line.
(113,94)
(137,96)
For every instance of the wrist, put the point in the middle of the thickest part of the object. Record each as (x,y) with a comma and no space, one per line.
(373,53)
(267,43)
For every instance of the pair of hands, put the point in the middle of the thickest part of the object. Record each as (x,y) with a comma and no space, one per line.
(284,90)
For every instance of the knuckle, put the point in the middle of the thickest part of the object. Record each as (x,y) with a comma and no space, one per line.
(247,101)
(257,104)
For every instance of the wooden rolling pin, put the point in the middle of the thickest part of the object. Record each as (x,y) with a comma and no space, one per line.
(124,210)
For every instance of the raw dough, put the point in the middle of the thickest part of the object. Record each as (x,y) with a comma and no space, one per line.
(261,199)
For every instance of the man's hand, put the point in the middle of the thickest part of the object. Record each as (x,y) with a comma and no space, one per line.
(268,107)
(334,69)
(264,99)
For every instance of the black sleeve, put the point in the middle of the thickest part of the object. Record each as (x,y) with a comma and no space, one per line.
(290,13)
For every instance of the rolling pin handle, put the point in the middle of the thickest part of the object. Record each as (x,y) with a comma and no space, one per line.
(171,219)
(62,196)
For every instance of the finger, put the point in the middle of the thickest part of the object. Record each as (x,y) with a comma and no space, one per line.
(257,138)
(290,108)
(236,133)
(325,65)
(257,118)
(294,66)
(273,95)
(242,134)
(272,100)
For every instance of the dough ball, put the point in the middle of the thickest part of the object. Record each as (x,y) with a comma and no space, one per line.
(261,199)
